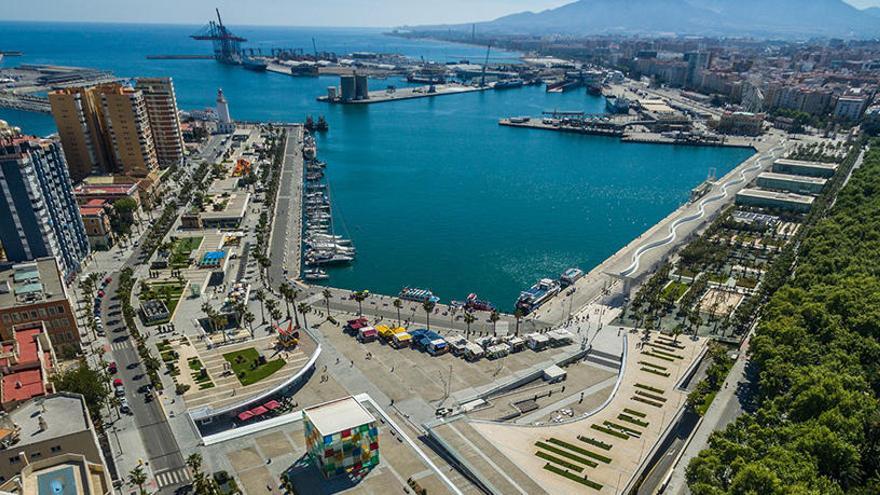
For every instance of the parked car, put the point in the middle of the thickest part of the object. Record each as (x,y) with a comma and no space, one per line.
(118,387)
(123,406)
(111,368)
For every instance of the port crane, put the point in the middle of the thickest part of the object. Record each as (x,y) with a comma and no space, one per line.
(485,64)
(227,46)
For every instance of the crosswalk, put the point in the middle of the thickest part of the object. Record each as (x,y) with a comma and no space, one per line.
(119,346)
(172,477)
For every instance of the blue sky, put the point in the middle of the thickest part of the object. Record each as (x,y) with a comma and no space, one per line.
(379,13)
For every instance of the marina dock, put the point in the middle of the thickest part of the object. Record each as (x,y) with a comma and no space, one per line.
(285,242)
(609,129)
(407,93)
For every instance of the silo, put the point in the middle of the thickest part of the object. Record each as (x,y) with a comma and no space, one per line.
(362,91)
(348,88)
(332,93)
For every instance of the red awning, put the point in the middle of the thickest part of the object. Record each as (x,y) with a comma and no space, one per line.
(245,416)
(258,411)
(272,405)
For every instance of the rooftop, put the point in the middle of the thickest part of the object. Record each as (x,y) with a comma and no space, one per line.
(29,283)
(804,163)
(778,196)
(334,416)
(61,475)
(63,414)
(793,178)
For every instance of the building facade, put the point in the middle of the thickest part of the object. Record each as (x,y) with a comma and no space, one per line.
(26,363)
(38,210)
(34,292)
(105,129)
(341,436)
(164,118)
(97,223)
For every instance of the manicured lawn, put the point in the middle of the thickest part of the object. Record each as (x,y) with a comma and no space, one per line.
(674,291)
(181,250)
(245,365)
(168,292)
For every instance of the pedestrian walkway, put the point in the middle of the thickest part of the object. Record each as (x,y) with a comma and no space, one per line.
(172,477)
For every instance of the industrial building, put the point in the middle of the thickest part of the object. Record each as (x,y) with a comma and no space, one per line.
(791,183)
(353,87)
(39,213)
(164,118)
(801,167)
(775,200)
(34,292)
(341,436)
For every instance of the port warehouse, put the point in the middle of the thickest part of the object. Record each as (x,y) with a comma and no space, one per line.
(775,200)
(800,167)
(791,183)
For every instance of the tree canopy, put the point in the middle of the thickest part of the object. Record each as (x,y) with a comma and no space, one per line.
(817,426)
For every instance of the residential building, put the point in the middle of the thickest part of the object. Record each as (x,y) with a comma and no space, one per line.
(73,470)
(741,123)
(105,129)
(26,362)
(38,212)
(164,118)
(77,114)
(850,108)
(46,428)
(34,292)
(128,125)
(109,190)
(96,218)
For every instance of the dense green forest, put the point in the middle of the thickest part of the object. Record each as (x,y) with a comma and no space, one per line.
(817,349)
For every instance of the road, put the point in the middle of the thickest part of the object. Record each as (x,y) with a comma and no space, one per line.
(284,244)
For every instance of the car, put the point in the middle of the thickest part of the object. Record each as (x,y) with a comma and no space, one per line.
(123,406)
(111,368)
(102,333)
(101,293)
(108,280)
(118,387)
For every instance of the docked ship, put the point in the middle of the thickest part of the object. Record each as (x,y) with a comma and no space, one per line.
(418,295)
(509,84)
(475,304)
(570,276)
(315,274)
(529,300)
(617,105)
(253,64)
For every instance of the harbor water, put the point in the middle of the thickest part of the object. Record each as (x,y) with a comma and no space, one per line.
(433,192)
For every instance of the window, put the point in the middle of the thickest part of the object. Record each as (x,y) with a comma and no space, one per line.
(36,455)
(15,459)
(60,309)
(42,312)
(7,319)
(56,448)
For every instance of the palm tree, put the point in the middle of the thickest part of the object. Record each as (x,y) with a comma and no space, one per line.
(468,319)
(304,308)
(494,317)
(360,296)
(137,477)
(327,295)
(260,295)
(518,314)
(249,319)
(284,290)
(398,304)
(428,306)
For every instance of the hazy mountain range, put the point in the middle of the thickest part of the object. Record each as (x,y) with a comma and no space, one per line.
(760,18)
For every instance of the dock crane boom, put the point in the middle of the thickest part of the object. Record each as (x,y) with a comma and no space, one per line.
(485,64)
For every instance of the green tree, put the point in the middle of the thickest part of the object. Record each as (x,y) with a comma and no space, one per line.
(494,317)
(137,477)
(428,306)
(398,304)
(468,319)
(518,314)
(89,383)
(327,295)
(122,215)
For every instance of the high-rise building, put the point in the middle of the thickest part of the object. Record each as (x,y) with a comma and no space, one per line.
(104,130)
(77,113)
(164,118)
(39,216)
(128,125)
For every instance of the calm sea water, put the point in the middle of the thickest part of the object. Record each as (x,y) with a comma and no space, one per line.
(433,192)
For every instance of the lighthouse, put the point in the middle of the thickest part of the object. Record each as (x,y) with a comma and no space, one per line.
(225,125)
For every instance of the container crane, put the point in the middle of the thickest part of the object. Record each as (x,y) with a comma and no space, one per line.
(227,46)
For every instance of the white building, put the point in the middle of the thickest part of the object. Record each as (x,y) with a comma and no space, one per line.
(225,125)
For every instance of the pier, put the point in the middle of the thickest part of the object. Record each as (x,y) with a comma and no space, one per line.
(285,241)
(408,93)
(180,57)
(25,103)
(610,129)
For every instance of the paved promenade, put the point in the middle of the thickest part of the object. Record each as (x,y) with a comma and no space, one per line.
(285,244)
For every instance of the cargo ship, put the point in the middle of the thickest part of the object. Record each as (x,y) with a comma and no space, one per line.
(617,105)
(253,64)
(418,295)
(529,300)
